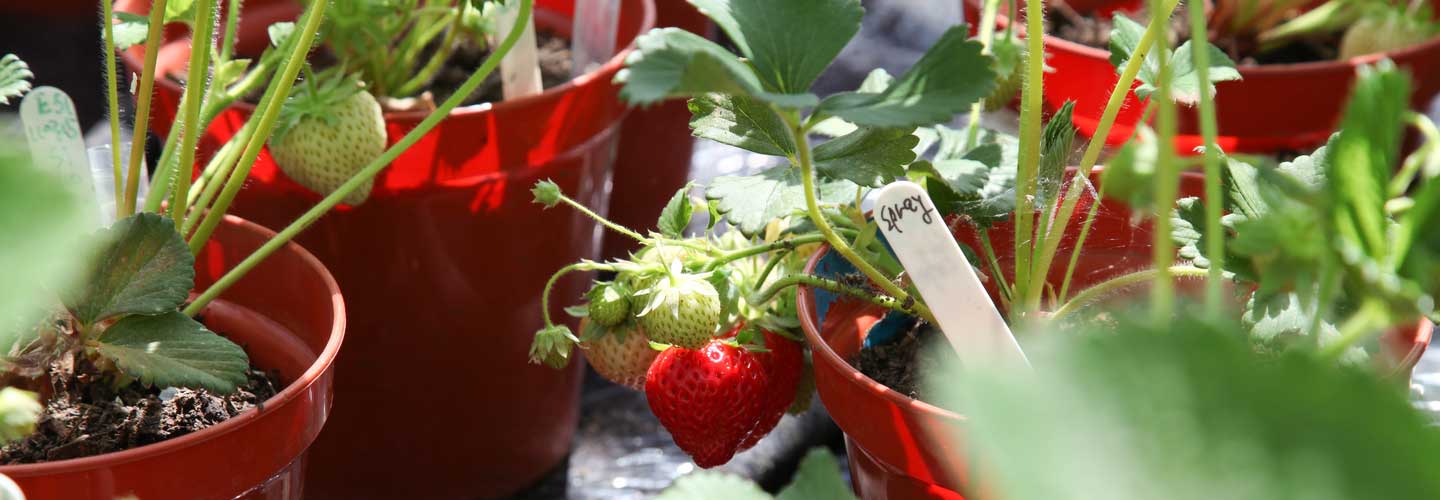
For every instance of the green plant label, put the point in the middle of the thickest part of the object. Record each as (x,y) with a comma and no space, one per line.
(934,263)
(53,132)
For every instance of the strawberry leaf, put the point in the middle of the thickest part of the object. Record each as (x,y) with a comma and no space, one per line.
(172,350)
(675,217)
(180,11)
(1055,143)
(869,157)
(950,77)
(15,78)
(143,267)
(817,477)
(1128,177)
(671,62)
(130,29)
(1364,154)
(750,202)
(790,42)
(1187,229)
(741,121)
(1184,84)
(280,33)
(981,192)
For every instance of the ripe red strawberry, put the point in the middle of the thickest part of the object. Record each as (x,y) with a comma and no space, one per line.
(622,356)
(719,399)
(327,133)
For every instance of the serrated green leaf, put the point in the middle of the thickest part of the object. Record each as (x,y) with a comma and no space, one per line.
(1128,177)
(172,350)
(712,485)
(1243,190)
(950,77)
(789,43)
(670,62)
(868,157)
(750,202)
(15,78)
(578,311)
(951,143)
(1187,230)
(1055,147)
(1308,169)
(1184,83)
(231,71)
(983,193)
(1363,156)
(741,121)
(280,33)
(180,11)
(143,267)
(130,29)
(1009,54)
(675,217)
(817,477)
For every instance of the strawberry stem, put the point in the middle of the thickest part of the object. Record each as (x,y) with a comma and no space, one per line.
(190,107)
(1214,233)
(113,94)
(369,172)
(987,37)
(602,220)
(886,301)
(785,245)
(1167,179)
(125,205)
(1096,293)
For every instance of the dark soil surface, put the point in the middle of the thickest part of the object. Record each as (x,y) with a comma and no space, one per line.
(85,416)
(902,365)
(554,52)
(1089,29)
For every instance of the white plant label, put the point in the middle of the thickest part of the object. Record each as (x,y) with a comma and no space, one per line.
(594,34)
(934,263)
(56,143)
(520,69)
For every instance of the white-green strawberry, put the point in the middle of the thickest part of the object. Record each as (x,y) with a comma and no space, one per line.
(683,309)
(327,132)
(609,303)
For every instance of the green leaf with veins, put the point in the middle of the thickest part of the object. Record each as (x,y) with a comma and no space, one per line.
(1308,169)
(1363,156)
(817,477)
(143,267)
(869,157)
(751,202)
(675,217)
(1187,230)
(130,30)
(983,193)
(742,121)
(1185,84)
(1279,321)
(789,43)
(180,11)
(172,350)
(1055,148)
(15,78)
(670,62)
(950,77)
(1128,177)
(1243,191)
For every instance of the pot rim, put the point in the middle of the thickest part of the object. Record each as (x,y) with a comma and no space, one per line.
(611,66)
(323,362)
(1246,70)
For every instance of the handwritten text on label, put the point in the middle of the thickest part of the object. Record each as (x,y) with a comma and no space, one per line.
(892,215)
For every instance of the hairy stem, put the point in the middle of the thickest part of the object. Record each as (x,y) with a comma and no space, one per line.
(369,172)
(1167,182)
(190,107)
(112,92)
(987,38)
(1411,168)
(442,54)
(232,22)
(885,301)
(1214,233)
(545,294)
(126,205)
(602,220)
(1094,294)
(1029,161)
(787,244)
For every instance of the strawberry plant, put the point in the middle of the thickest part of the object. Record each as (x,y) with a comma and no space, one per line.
(126,316)
(1365,26)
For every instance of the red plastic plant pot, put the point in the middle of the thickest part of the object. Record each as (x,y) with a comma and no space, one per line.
(890,437)
(443,268)
(655,147)
(1275,107)
(289,316)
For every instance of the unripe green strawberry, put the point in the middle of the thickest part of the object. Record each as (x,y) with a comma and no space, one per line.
(326,134)
(1382,32)
(609,303)
(552,346)
(621,356)
(683,309)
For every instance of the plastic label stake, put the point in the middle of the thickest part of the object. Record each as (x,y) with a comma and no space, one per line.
(520,69)
(594,34)
(53,132)
(933,262)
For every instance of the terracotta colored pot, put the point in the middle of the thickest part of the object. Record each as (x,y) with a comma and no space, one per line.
(889,435)
(655,147)
(289,316)
(1275,107)
(443,267)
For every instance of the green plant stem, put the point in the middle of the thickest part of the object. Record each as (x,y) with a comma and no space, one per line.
(1027,167)
(447,47)
(994,263)
(1167,183)
(232,22)
(369,172)
(224,166)
(885,301)
(1411,168)
(771,264)
(602,220)
(545,294)
(126,206)
(190,107)
(987,36)
(1214,233)
(785,244)
(113,94)
(277,92)
(1370,317)
(812,207)
(1094,294)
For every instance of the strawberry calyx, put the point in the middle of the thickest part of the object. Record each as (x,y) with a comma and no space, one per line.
(317,99)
